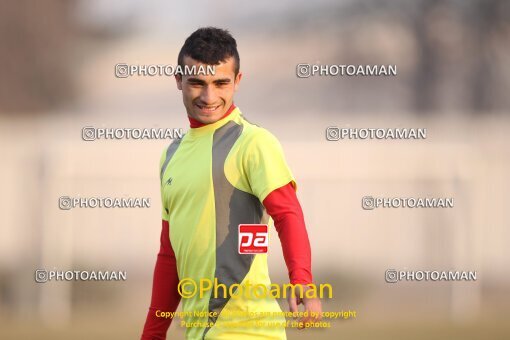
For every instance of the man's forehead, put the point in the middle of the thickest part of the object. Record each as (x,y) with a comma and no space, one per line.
(223,69)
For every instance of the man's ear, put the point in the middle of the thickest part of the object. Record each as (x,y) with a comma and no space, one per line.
(237,80)
(178,80)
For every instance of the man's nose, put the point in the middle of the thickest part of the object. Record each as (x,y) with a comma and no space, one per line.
(208,95)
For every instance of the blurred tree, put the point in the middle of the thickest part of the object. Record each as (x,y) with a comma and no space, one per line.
(486,18)
(427,59)
(34,47)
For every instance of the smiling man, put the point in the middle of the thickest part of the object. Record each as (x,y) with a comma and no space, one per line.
(223,173)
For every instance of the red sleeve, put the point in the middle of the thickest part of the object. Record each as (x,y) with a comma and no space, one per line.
(283,206)
(164,289)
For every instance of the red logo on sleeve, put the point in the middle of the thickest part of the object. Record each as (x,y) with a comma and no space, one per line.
(253,238)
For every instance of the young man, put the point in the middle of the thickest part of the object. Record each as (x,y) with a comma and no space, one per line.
(224,172)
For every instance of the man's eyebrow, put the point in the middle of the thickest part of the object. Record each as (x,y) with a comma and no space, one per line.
(196,80)
(221,80)
(202,82)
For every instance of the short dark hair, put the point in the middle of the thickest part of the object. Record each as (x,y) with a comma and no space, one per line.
(210,45)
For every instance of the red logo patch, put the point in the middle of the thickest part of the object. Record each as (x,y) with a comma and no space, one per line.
(253,238)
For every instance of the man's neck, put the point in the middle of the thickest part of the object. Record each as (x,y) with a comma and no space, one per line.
(193,123)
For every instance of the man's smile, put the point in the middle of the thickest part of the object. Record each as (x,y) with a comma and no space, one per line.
(207,109)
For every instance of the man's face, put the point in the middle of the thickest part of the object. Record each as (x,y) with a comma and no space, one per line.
(208,97)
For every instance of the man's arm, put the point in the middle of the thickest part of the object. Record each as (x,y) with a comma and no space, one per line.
(271,180)
(283,206)
(165,296)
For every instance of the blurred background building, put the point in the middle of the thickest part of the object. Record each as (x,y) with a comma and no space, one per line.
(58,57)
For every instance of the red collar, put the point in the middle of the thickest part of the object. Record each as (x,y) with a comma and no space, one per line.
(193,123)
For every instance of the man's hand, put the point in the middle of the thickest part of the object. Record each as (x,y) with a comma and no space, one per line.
(312,305)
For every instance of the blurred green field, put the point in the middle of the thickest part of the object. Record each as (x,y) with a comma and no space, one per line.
(99,330)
